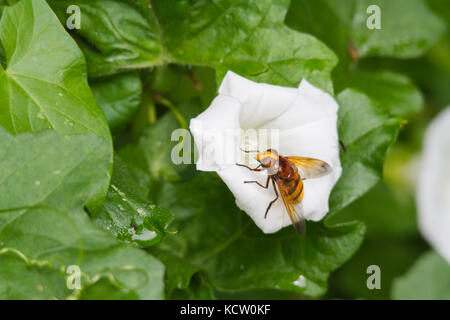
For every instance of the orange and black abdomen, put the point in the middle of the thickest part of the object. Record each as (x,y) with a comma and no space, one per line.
(289,181)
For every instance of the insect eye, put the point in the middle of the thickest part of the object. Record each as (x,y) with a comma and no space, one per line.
(266,162)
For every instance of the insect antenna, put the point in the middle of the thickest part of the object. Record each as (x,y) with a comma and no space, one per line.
(248,151)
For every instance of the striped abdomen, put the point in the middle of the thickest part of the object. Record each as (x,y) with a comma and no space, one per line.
(292,188)
(289,181)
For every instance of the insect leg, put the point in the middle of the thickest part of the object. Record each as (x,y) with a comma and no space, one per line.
(273,201)
(259,184)
(243,165)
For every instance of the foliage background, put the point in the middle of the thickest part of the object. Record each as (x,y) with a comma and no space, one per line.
(98,189)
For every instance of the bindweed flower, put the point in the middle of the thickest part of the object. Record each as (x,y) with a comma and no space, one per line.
(293,121)
(433,187)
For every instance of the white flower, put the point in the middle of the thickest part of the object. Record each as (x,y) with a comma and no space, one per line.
(433,187)
(304,120)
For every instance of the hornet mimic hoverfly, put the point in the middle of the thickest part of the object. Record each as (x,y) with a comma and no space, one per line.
(288,173)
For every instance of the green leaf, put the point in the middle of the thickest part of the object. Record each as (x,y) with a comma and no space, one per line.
(329,21)
(50,169)
(181,84)
(38,244)
(152,154)
(237,256)
(341,24)
(367,132)
(441,8)
(105,290)
(389,90)
(262,48)
(114,35)
(403,34)
(55,95)
(183,280)
(4,3)
(44,84)
(21,281)
(2,51)
(127,216)
(428,279)
(199,289)
(2,56)
(43,229)
(119,97)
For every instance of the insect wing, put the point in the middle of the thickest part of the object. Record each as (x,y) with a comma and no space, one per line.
(310,168)
(295,213)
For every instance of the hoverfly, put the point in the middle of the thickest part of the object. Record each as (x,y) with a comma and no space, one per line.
(288,174)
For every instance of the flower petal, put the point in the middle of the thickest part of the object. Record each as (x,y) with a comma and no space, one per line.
(433,188)
(214,133)
(254,199)
(310,105)
(315,140)
(262,102)
(317,193)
